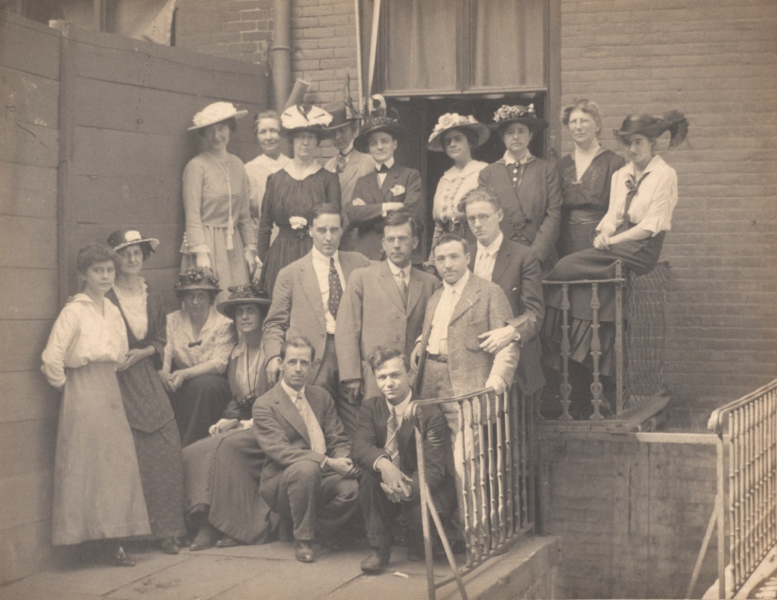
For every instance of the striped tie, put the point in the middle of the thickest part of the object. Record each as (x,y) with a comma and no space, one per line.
(392,443)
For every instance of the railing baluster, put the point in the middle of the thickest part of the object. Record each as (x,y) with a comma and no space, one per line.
(493,494)
(478,430)
(466,499)
(566,388)
(509,481)
(517,480)
(734,478)
(500,467)
(596,354)
(619,357)
(475,544)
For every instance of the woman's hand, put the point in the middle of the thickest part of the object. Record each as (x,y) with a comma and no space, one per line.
(203,260)
(165,377)
(134,356)
(257,273)
(602,241)
(273,368)
(177,379)
(250,256)
(222,426)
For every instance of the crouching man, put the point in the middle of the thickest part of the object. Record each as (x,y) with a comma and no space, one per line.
(385,449)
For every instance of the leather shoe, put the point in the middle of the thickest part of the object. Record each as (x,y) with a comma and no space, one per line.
(227,542)
(122,559)
(303,551)
(169,546)
(206,538)
(378,560)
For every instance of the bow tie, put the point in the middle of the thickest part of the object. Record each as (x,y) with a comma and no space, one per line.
(383,168)
(197,343)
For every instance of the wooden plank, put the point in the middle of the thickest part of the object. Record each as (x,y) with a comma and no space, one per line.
(29,98)
(21,345)
(28,144)
(32,295)
(29,46)
(27,395)
(25,550)
(25,498)
(141,69)
(27,446)
(28,242)
(28,191)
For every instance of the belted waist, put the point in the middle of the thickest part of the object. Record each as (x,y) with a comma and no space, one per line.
(440,358)
(288,232)
(581,216)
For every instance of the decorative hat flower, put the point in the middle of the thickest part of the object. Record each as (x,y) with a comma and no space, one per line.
(506,112)
(455,120)
(215,113)
(303,116)
(197,278)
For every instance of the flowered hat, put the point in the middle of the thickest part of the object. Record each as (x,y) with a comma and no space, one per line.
(519,114)
(375,124)
(450,121)
(244,294)
(197,278)
(673,121)
(305,117)
(124,238)
(216,113)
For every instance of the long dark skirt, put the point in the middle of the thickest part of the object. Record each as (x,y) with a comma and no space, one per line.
(198,404)
(223,473)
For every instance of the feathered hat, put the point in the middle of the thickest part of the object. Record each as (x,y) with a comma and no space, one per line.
(379,121)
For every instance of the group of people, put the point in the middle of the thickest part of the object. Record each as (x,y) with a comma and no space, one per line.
(275,400)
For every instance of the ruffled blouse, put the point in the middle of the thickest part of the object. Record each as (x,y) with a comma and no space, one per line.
(451,188)
(214,345)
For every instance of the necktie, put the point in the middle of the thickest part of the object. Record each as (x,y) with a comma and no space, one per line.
(392,443)
(633,189)
(317,440)
(342,161)
(383,169)
(335,288)
(402,284)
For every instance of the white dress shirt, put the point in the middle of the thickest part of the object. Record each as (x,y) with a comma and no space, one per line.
(382,176)
(321,267)
(451,294)
(485,259)
(395,270)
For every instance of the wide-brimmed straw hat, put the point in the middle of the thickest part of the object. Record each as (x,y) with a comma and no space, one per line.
(216,113)
(244,294)
(343,113)
(124,238)
(525,115)
(450,121)
(197,278)
(674,122)
(305,117)
(374,125)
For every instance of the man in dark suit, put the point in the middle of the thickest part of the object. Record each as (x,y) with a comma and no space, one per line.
(383,306)
(385,450)
(306,301)
(308,474)
(390,187)
(516,269)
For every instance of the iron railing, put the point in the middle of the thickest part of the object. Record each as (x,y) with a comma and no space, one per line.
(746,507)
(495,463)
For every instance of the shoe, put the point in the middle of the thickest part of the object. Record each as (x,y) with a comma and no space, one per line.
(169,546)
(303,552)
(183,541)
(378,560)
(206,538)
(121,559)
(227,542)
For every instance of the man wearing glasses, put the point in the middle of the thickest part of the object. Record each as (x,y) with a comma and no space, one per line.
(383,305)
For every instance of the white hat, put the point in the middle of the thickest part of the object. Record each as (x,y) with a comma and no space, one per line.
(216,113)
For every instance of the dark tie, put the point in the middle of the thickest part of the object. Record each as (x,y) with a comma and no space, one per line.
(383,168)
(633,189)
(342,161)
(392,443)
(335,288)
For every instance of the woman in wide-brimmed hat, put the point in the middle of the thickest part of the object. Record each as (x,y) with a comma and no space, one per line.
(293,191)
(200,341)
(223,470)
(148,409)
(219,232)
(456,135)
(643,196)
(585,177)
(527,186)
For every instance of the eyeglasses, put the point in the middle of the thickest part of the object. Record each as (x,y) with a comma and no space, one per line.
(475,219)
(402,239)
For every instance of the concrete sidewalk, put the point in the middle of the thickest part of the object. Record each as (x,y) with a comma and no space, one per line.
(271,572)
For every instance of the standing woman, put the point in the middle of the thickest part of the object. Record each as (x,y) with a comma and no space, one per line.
(585,177)
(527,186)
(267,127)
(98,494)
(150,416)
(199,343)
(219,232)
(457,136)
(293,191)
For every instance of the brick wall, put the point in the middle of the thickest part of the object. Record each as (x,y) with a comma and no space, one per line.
(717,62)
(631,515)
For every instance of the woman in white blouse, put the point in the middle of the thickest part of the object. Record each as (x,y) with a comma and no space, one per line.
(456,135)
(98,493)
(199,343)
(643,195)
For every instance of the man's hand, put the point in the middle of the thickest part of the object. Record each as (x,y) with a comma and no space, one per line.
(415,357)
(343,466)
(273,369)
(222,426)
(496,339)
(353,391)
(395,483)
(496,382)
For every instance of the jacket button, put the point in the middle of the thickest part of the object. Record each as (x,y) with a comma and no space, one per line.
(397,316)
(397,338)
(322,336)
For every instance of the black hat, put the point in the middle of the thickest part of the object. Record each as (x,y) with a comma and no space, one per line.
(525,115)
(673,121)
(343,114)
(375,124)
(124,238)
(197,278)
(244,294)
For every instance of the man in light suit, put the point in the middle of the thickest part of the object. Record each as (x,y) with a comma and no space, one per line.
(305,302)
(516,269)
(349,164)
(308,474)
(385,451)
(383,306)
(388,188)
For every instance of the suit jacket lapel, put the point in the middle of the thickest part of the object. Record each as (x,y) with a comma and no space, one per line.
(312,290)
(389,182)
(347,264)
(289,411)
(390,286)
(502,261)
(469,296)
(351,169)
(414,289)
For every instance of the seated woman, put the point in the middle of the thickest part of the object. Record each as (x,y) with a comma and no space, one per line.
(199,342)
(222,472)
(643,197)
